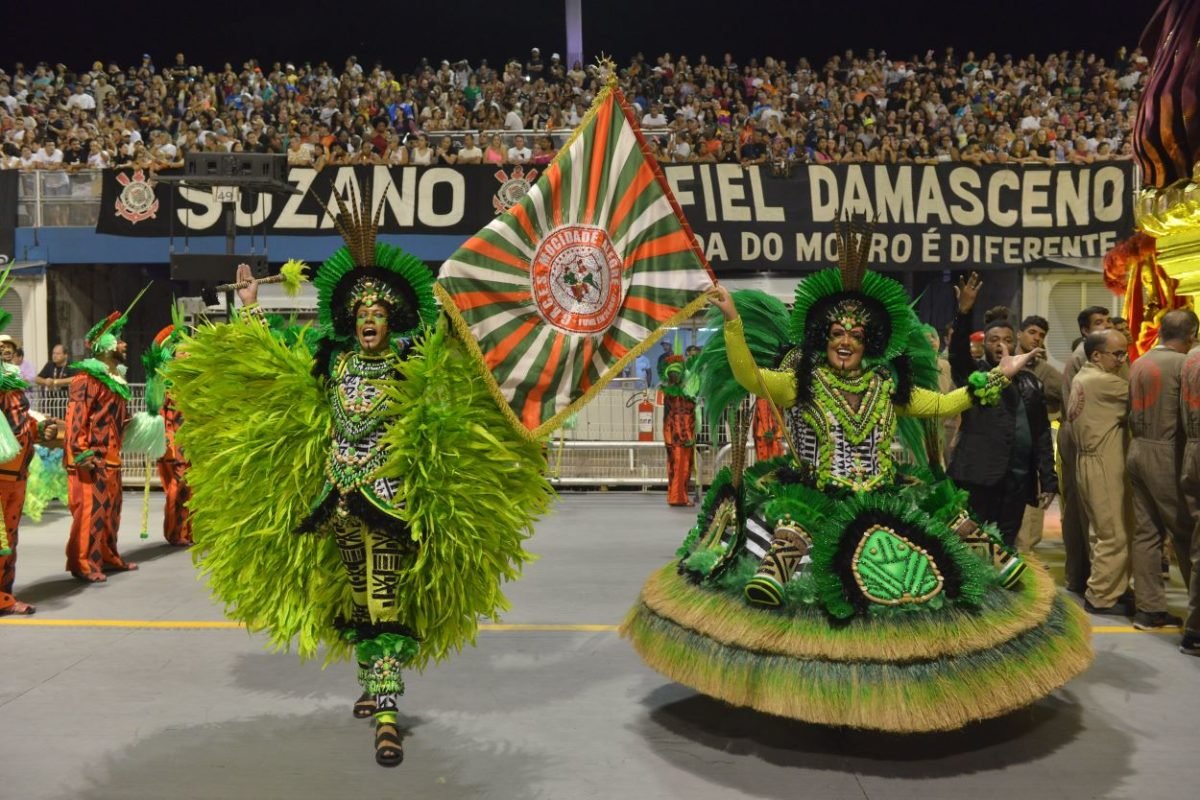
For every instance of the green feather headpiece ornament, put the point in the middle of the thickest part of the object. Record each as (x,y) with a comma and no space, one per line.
(104,335)
(364,272)
(853,296)
(157,356)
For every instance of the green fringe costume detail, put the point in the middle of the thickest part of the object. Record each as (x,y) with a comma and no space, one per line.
(146,434)
(47,482)
(473,490)
(260,430)
(99,370)
(986,387)
(294,273)
(901,696)
(407,266)
(384,656)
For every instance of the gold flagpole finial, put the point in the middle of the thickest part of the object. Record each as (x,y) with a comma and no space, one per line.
(608,70)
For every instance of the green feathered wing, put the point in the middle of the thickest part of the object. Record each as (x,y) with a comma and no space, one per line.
(256,430)
(472,487)
(918,436)
(765,321)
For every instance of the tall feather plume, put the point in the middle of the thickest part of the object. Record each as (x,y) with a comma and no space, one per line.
(358,224)
(854,250)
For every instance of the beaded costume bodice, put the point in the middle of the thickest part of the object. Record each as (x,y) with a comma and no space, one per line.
(359,414)
(846,430)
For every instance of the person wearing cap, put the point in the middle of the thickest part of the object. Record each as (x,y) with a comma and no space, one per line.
(534,66)
(97,415)
(679,425)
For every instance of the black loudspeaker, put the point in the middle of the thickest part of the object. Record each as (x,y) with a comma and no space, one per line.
(241,168)
(214,268)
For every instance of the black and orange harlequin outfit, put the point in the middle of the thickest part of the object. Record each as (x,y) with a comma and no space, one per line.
(172,469)
(679,431)
(14,405)
(768,437)
(97,411)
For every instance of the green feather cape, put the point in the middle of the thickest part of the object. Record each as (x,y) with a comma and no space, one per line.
(765,322)
(473,489)
(256,431)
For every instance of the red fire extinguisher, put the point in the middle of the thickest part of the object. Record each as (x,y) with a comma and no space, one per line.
(645,416)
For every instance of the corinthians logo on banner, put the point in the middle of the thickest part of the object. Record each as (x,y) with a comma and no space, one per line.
(576,279)
(137,201)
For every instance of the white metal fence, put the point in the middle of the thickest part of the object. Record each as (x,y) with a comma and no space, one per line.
(602,449)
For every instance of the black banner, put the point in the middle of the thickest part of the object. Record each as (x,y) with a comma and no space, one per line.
(926,215)
(8,212)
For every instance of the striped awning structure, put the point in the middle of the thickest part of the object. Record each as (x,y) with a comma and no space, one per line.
(563,290)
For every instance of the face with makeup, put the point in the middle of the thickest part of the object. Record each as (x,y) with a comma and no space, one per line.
(371,328)
(845,347)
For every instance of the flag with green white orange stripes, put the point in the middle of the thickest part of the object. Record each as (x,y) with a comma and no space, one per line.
(563,290)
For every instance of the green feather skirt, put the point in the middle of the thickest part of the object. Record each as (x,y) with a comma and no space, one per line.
(973,651)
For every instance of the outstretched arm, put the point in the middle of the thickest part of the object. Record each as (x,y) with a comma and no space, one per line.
(778,387)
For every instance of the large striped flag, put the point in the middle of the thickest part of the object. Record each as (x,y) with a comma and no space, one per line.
(578,278)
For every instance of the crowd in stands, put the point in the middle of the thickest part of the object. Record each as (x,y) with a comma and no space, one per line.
(857,107)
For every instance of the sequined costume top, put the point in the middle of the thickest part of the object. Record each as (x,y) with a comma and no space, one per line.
(845,431)
(359,416)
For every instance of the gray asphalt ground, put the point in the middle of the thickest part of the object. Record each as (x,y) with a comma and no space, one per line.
(88,710)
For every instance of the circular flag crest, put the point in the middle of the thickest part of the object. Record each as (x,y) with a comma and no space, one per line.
(576,277)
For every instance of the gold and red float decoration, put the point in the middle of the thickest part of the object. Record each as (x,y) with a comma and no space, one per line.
(1166,145)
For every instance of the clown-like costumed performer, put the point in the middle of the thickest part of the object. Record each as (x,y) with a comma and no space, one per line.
(679,429)
(19,432)
(96,432)
(833,585)
(353,484)
(172,467)
(768,437)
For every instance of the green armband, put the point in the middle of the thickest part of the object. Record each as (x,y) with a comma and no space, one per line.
(985,387)
(81,457)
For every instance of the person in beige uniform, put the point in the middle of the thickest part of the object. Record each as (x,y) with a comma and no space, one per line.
(1031,337)
(1154,464)
(1097,412)
(1189,406)
(1074,519)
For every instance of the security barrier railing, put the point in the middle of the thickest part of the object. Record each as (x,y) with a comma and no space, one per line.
(603,449)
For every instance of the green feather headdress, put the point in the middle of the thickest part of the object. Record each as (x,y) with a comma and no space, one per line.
(850,293)
(104,335)
(366,271)
(157,356)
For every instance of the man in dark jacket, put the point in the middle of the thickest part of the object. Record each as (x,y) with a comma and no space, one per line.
(1005,453)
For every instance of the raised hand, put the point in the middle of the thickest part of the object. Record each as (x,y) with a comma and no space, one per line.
(719,297)
(967,292)
(1010,365)
(249,294)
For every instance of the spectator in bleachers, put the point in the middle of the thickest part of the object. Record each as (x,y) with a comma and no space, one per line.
(853,107)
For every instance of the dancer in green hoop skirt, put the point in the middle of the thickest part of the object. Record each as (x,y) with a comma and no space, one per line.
(837,585)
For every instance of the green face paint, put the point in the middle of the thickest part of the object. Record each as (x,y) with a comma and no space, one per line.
(371,327)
